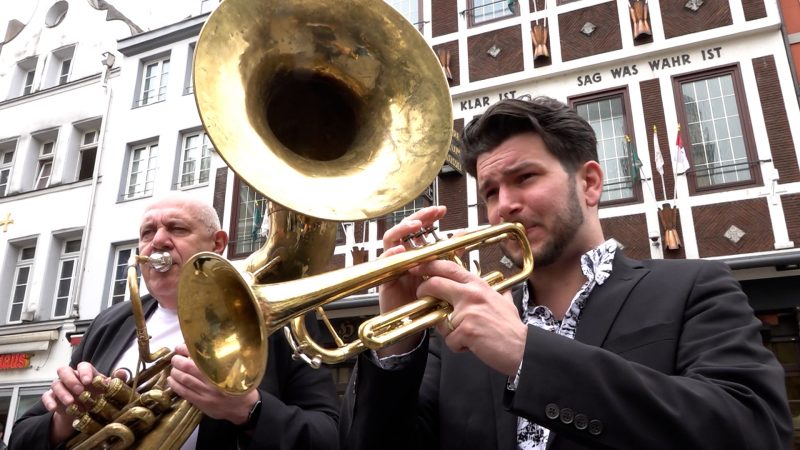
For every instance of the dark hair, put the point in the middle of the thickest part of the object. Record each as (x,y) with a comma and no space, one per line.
(566,135)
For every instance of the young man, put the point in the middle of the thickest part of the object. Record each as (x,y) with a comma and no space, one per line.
(595,350)
(298,405)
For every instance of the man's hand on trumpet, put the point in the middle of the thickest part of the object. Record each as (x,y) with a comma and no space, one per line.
(188,382)
(402,290)
(483,321)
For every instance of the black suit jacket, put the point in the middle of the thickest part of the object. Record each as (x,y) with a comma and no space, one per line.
(299,409)
(667,355)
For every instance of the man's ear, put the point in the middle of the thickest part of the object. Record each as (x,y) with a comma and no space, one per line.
(591,181)
(220,241)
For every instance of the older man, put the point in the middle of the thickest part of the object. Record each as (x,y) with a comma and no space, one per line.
(295,407)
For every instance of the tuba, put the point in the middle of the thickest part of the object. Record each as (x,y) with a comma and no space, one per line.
(144,413)
(335,112)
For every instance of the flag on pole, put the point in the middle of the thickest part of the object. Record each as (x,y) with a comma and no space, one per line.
(682,162)
(659,158)
(657,150)
(634,163)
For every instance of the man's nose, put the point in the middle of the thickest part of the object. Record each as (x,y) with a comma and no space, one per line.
(162,239)
(509,203)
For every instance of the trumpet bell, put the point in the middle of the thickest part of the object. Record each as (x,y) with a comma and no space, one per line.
(225,341)
(338,110)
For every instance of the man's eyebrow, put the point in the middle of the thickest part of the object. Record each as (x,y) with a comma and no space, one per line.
(516,168)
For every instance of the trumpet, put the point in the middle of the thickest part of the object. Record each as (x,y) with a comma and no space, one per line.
(228,318)
(143,413)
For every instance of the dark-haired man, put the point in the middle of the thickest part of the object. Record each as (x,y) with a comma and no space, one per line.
(595,350)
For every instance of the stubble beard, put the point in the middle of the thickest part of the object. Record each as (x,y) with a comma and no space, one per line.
(565,227)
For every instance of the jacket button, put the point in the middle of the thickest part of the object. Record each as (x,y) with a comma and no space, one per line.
(595,427)
(581,421)
(551,411)
(567,415)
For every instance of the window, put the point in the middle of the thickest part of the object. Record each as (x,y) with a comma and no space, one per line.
(395,217)
(606,114)
(188,81)
(120,291)
(488,10)
(142,171)
(45,166)
(88,154)
(410,9)
(22,279)
(27,87)
(716,139)
(24,78)
(63,75)
(248,235)
(154,82)
(59,66)
(195,160)
(67,270)
(6,164)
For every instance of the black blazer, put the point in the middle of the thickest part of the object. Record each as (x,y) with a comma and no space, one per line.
(667,355)
(299,409)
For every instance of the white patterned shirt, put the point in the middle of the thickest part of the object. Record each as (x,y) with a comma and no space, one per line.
(596,265)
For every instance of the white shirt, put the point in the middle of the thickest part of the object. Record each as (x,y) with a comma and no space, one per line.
(164,331)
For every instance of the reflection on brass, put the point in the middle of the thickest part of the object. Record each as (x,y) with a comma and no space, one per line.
(334,114)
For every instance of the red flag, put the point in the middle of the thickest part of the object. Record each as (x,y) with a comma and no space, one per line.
(682,162)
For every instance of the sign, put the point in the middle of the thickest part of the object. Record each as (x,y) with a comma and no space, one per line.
(453,158)
(15,361)
(486,100)
(655,65)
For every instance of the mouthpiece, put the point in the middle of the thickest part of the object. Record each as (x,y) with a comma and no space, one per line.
(159,261)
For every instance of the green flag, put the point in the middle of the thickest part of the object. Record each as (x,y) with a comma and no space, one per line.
(635,164)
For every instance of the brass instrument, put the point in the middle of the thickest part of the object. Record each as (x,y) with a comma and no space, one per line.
(145,413)
(337,112)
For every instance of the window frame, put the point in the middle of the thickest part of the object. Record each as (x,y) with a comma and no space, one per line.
(161,81)
(745,123)
(119,274)
(28,77)
(6,167)
(63,77)
(151,148)
(622,92)
(234,249)
(64,258)
(44,166)
(85,148)
(471,8)
(21,264)
(205,150)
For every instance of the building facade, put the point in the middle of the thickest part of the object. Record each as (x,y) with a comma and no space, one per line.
(711,77)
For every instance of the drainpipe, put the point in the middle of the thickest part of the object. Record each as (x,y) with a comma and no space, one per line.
(108,64)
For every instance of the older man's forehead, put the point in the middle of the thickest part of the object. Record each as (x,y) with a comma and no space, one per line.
(167,213)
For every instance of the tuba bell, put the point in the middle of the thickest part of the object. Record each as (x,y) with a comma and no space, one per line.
(336,112)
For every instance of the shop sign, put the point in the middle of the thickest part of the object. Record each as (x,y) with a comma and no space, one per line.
(15,361)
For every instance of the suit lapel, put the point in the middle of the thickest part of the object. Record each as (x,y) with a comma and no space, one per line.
(606,300)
